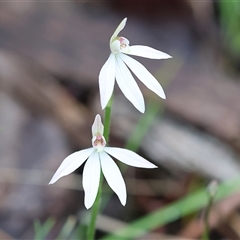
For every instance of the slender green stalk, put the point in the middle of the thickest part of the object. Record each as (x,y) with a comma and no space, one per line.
(96,205)
(107,120)
(211,190)
(95,211)
(206,220)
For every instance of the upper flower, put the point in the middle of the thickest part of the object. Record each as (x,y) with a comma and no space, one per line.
(98,158)
(117,67)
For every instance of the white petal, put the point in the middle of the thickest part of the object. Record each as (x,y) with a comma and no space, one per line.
(113,177)
(91,178)
(71,163)
(97,126)
(118,29)
(147,52)
(129,157)
(106,80)
(128,85)
(144,75)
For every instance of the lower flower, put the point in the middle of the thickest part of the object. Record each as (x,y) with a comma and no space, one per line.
(99,158)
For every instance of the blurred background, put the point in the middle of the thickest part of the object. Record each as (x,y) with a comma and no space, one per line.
(50,57)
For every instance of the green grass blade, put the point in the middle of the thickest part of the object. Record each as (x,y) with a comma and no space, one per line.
(67,228)
(41,231)
(187,205)
(145,122)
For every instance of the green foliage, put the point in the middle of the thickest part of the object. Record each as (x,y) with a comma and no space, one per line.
(67,228)
(230,22)
(143,125)
(42,230)
(183,207)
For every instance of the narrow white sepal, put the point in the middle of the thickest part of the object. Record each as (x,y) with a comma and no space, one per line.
(147,52)
(97,126)
(106,80)
(91,179)
(71,163)
(129,157)
(118,29)
(113,177)
(144,75)
(128,85)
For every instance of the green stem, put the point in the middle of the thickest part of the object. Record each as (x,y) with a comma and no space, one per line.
(96,205)
(95,211)
(211,190)
(206,219)
(107,120)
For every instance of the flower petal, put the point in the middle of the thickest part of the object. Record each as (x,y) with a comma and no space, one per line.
(97,126)
(118,29)
(106,80)
(147,52)
(91,178)
(113,177)
(128,85)
(144,75)
(71,163)
(129,157)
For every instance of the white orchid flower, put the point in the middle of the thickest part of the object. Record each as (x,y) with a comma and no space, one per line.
(98,158)
(117,67)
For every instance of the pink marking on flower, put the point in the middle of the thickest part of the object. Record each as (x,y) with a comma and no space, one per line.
(123,42)
(99,141)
